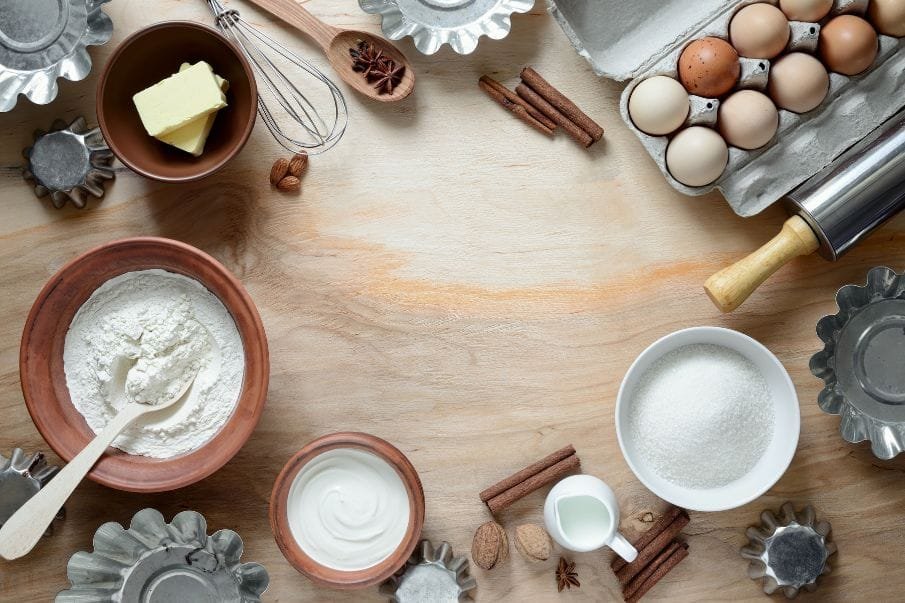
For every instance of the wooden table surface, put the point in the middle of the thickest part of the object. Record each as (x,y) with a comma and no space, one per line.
(469,290)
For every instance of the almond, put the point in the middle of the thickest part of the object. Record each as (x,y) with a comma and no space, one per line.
(289,184)
(278,171)
(490,545)
(297,164)
(533,542)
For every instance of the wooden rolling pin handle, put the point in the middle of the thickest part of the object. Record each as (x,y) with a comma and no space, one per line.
(732,285)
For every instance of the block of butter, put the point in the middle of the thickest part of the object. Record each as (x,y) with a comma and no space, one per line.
(179,99)
(192,136)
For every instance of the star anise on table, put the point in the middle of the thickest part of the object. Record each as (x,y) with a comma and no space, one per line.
(566,576)
(386,75)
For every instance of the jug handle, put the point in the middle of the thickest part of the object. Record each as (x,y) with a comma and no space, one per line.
(623,547)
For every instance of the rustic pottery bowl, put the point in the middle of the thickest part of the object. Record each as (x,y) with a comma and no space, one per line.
(44,382)
(326,576)
(776,457)
(152,54)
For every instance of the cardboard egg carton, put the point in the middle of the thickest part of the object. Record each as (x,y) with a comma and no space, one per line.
(637,40)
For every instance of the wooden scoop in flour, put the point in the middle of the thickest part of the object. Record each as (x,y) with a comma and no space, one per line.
(834,209)
(22,531)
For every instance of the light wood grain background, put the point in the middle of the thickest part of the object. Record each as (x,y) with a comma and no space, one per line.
(469,290)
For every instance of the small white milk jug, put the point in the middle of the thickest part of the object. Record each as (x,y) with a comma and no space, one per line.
(581,514)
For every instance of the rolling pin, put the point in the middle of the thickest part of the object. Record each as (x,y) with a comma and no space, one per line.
(831,211)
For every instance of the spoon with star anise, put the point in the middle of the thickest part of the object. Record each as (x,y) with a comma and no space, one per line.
(393,78)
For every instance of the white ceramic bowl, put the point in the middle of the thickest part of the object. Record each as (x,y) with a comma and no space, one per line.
(769,468)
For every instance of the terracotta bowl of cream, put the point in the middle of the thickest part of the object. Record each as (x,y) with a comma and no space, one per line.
(44,382)
(280,508)
(152,54)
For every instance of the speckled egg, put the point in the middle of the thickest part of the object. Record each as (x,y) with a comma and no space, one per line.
(759,31)
(848,44)
(748,119)
(806,10)
(798,82)
(709,67)
(888,16)
(697,156)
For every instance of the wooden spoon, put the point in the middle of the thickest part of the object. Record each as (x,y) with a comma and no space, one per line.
(336,42)
(21,532)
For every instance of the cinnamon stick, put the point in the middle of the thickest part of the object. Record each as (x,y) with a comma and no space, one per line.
(520,490)
(538,102)
(562,104)
(520,476)
(645,539)
(652,549)
(673,560)
(514,98)
(518,110)
(632,587)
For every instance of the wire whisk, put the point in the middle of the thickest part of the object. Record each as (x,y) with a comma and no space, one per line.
(309,130)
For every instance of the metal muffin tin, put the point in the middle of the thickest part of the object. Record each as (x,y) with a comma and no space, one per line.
(431,576)
(158,562)
(862,364)
(433,23)
(789,552)
(21,476)
(69,163)
(41,41)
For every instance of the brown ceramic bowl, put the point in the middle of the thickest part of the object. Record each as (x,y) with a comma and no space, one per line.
(152,54)
(44,383)
(326,576)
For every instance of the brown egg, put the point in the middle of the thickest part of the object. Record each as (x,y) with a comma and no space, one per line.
(709,67)
(848,44)
(806,10)
(888,16)
(759,31)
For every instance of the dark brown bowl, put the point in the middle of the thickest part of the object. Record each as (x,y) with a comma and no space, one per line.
(44,382)
(152,54)
(326,576)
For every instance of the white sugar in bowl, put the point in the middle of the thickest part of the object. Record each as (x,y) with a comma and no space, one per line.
(707,418)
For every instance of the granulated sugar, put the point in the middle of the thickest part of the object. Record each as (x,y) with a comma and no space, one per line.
(702,416)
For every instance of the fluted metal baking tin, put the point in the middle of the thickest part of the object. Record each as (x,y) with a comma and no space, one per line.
(42,40)
(790,551)
(862,364)
(158,562)
(21,476)
(433,23)
(69,163)
(431,576)
(637,40)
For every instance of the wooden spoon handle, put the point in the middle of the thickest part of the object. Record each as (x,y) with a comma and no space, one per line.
(732,285)
(22,531)
(294,14)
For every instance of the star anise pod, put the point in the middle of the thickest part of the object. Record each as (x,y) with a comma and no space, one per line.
(566,576)
(386,75)
(365,58)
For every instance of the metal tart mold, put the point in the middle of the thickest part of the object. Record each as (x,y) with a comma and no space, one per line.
(153,562)
(789,551)
(431,574)
(69,163)
(21,476)
(433,23)
(861,364)
(43,41)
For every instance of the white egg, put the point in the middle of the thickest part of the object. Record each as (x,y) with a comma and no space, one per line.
(658,105)
(697,156)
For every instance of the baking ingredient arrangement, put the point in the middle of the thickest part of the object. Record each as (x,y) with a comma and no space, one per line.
(145,364)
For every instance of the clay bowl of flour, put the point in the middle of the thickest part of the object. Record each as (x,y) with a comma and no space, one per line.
(122,318)
(347,510)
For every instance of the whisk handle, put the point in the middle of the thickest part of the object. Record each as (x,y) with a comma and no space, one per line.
(294,14)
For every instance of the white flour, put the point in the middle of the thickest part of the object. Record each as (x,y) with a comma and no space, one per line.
(138,338)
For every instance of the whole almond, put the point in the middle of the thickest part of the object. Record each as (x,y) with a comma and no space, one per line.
(278,171)
(289,184)
(533,542)
(297,164)
(490,545)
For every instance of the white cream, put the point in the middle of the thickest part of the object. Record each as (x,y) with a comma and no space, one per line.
(348,509)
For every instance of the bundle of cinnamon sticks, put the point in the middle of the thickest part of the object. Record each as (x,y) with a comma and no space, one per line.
(658,553)
(537,103)
(537,475)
